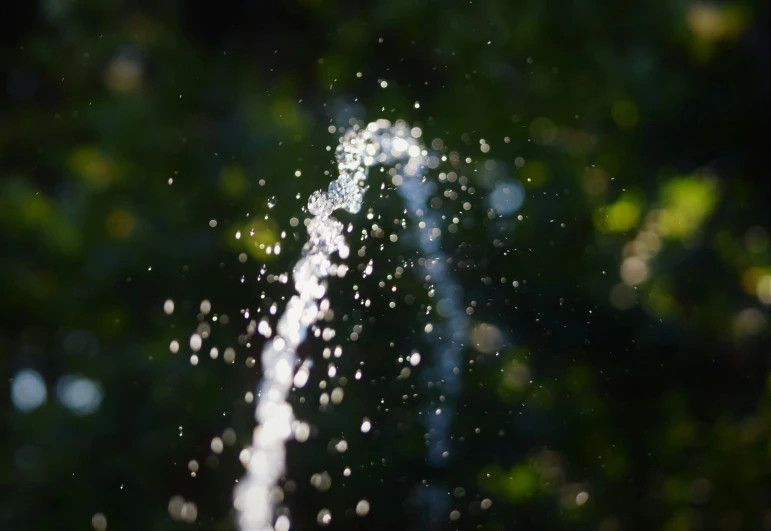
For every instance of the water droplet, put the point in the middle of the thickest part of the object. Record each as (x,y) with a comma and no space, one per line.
(195,342)
(324,517)
(99,522)
(322,482)
(362,508)
(271,201)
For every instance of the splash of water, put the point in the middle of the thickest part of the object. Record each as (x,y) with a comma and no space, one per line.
(447,339)
(359,148)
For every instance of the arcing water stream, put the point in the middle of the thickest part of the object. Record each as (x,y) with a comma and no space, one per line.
(360,148)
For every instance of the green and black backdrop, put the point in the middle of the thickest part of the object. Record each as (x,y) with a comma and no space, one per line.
(616,373)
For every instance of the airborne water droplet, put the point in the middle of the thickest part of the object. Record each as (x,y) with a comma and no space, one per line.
(359,149)
(362,508)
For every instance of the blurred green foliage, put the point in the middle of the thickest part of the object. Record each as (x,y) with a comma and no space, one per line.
(634,390)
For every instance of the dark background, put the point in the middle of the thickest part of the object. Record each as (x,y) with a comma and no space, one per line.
(634,363)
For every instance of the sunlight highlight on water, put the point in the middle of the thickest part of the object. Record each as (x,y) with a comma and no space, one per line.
(447,338)
(399,146)
(358,150)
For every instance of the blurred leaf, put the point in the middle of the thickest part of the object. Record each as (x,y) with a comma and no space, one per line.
(621,216)
(688,201)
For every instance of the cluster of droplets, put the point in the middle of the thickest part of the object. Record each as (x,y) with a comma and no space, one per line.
(446,338)
(400,146)
(360,148)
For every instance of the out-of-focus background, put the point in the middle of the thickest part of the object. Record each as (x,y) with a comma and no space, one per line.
(616,375)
